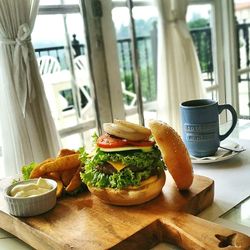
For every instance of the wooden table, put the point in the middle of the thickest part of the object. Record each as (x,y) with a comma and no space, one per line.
(226,196)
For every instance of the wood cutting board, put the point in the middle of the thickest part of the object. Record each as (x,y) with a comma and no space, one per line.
(84,222)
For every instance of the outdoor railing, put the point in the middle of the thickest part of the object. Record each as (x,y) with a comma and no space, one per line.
(148,63)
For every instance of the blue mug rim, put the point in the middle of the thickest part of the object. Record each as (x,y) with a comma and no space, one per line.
(187,104)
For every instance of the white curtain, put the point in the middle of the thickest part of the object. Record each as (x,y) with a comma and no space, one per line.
(179,75)
(28,130)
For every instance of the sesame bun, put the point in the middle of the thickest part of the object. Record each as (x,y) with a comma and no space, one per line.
(148,190)
(174,153)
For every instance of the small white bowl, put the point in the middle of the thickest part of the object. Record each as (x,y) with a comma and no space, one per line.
(31,206)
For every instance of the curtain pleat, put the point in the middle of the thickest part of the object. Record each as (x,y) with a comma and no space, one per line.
(178,74)
(28,130)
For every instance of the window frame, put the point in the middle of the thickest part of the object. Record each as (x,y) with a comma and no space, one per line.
(224,52)
(107,106)
(224,73)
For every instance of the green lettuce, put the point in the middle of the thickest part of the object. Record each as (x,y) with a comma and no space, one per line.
(144,162)
(26,170)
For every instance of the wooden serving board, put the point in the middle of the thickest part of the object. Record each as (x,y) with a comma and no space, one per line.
(84,222)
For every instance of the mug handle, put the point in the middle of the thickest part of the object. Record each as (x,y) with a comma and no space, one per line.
(234,116)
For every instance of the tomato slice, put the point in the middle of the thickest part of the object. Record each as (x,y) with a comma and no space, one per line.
(107,141)
(141,143)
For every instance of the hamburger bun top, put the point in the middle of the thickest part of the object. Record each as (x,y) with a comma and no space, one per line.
(174,153)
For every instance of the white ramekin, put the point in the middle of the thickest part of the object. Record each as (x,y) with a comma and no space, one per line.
(31,206)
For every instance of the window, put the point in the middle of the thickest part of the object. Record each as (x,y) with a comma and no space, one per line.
(72,102)
(200,26)
(146,42)
(223,86)
(242,15)
(100,86)
(62,58)
(71,98)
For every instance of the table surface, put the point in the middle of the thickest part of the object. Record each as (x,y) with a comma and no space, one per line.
(232,185)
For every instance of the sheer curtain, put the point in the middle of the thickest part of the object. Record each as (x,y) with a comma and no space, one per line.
(179,74)
(28,130)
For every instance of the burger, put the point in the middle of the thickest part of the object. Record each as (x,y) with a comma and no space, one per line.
(126,167)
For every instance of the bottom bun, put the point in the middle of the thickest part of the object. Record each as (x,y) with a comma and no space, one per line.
(133,196)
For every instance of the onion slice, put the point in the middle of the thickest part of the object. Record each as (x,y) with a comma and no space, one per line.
(123,131)
(138,128)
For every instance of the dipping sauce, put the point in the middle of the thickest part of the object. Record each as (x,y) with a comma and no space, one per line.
(31,189)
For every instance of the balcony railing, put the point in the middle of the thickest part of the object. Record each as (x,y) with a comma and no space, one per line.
(148,63)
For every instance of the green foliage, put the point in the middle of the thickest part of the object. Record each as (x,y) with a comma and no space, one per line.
(143,28)
(201,34)
(198,23)
(148,84)
(83,156)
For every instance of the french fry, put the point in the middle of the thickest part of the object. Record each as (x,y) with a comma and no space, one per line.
(59,164)
(54,175)
(67,175)
(75,181)
(65,151)
(35,173)
(59,188)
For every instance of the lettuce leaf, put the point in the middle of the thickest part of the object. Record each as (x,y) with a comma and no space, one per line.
(26,170)
(143,162)
(137,158)
(118,180)
(83,155)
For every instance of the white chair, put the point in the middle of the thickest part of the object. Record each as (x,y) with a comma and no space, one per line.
(48,65)
(83,82)
(80,62)
(132,95)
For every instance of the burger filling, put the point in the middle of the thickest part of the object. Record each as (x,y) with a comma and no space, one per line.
(121,169)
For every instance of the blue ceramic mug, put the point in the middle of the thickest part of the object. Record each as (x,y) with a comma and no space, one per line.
(200,126)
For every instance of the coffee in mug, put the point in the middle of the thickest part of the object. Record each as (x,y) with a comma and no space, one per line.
(200,126)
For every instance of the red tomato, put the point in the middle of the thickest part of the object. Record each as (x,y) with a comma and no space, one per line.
(107,141)
(141,143)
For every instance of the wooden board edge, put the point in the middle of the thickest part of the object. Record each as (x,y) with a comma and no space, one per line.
(30,236)
(187,232)
(195,206)
(34,237)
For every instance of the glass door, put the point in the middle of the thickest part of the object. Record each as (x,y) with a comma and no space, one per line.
(145,19)
(242,18)
(62,56)
(199,19)
(212,27)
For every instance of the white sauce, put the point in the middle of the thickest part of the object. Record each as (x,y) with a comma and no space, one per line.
(31,189)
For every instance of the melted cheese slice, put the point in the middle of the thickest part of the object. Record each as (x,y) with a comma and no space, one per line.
(145,182)
(144,149)
(117,165)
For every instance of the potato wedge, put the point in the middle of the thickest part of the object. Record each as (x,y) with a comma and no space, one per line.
(54,175)
(59,188)
(65,151)
(36,171)
(59,164)
(67,175)
(75,181)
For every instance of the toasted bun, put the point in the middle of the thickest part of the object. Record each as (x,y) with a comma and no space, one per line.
(131,196)
(174,153)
